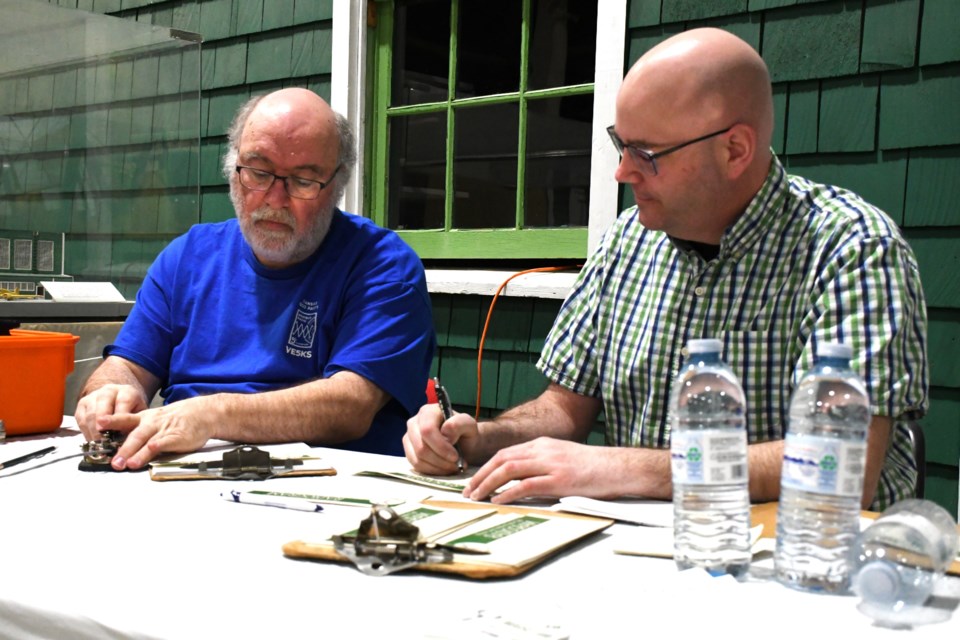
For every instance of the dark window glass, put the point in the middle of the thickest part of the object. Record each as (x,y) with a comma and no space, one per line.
(557,178)
(563,36)
(417,160)
(488,47)
(485,166)
(421,52)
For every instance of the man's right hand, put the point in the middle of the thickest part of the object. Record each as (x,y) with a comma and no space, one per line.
(108,400)
(430,442)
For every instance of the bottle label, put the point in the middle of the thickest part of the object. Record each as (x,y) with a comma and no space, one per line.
(709,456)
(823,465)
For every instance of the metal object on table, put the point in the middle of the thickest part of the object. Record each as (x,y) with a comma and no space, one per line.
(386,543)
(97,454)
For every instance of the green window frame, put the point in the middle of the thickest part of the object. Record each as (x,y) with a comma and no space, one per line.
(449,242)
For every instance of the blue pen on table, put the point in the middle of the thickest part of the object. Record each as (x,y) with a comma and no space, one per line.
(268,499)
(27,457)
(447,409)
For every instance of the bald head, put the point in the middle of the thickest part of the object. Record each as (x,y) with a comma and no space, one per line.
(703,79)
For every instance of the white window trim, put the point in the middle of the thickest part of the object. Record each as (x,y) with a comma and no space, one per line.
(348,79)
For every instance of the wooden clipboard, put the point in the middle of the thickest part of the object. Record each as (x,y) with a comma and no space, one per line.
(766,514)
(463,564)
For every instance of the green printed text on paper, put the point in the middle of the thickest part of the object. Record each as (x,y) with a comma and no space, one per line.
(500,531)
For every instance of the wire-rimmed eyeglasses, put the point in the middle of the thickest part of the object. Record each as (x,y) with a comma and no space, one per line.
(296,187)
(646,160)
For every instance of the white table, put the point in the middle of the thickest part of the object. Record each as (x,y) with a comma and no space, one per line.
(116,555)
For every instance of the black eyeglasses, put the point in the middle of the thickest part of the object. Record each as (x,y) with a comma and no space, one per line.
(301,188)
(645,160)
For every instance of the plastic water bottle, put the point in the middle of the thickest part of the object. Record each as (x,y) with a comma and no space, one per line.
(821,482)
(900,557)
(708,450)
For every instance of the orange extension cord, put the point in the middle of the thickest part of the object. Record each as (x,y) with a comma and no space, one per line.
(486,325)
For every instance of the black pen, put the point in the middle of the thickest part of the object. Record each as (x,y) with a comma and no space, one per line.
(29,456)
(445,407)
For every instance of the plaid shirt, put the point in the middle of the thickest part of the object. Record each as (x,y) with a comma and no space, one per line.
(805,263)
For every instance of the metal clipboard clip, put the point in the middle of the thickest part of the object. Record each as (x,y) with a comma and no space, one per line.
(386,543)
(97,454)
(244,463)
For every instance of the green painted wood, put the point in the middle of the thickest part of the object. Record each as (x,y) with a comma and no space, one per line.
(210,166)
(141,123)
(222,107)
(216,19)
(848,114)
(878,178)
(311,50)
(803,117)
(500,243)
(106,6)
(190,80)
(889,34)
(166,119)
(544,313)
(518,380)
(509,328)
(789,34)
(465,322)
(442,309)
(684,10)
(760,5)
(269,58)
(215,206)
(941,426)
(938,36)
(58,132)
(643,13)
(64,89)
(942,486)
(176,213)
(186,16)
(146,73)
(933,188)
(40,93)
(943,336)
(312,11)
(248,17)
(277,14)
(230,64)
(123,81)
(168,75)
(938,255)
(458,371)
(177,168)
(72,174)
(119,125)
(918,107)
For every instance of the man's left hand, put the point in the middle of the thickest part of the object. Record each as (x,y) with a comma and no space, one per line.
(545,467)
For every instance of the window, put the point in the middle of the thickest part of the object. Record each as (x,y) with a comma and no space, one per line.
(482,126)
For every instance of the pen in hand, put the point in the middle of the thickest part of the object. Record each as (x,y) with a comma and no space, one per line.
(445,407)
(27,457)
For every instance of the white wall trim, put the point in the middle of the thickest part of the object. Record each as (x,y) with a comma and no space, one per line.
(348,73)
(611,53)
(486,283)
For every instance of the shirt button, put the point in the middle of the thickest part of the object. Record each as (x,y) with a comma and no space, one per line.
(685,352)
(700,291)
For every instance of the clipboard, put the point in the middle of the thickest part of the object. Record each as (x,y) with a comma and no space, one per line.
(477,566)
(245,462)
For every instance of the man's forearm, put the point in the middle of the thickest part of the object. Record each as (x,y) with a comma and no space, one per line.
(329,411)
(556,413)
(118,371)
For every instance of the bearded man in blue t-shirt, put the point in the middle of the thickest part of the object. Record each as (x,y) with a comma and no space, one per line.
(294,322)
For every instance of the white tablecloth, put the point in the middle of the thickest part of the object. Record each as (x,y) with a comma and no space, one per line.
(111,555)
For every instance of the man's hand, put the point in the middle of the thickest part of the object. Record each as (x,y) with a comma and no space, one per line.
(179,427)
(106,401)
(547,467)
(429,441)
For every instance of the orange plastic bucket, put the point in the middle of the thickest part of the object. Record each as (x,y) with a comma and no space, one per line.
(34,366)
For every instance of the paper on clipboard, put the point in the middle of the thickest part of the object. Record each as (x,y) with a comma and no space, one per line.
(652,513)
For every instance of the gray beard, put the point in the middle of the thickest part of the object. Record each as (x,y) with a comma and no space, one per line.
(282,247)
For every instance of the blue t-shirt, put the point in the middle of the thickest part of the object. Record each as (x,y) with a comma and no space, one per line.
(210,318)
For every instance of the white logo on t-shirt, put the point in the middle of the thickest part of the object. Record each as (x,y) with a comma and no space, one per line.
(304,330)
